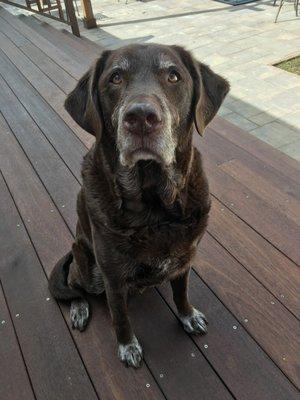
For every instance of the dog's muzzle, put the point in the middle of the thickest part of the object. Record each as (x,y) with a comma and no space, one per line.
(144,132)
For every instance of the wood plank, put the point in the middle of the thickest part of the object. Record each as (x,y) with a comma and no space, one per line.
(268,321)
(57,132)
(14,381)
(42,155)
(66,62)
(45,86)
(224,151)
(244,367)
(57,74)
(266,153)
(46,344)
(85,42)
(52,239)
(251,208)
(282,202)
(269,266)
(170,352)
(61,41)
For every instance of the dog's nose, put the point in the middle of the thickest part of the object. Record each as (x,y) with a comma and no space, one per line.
(142,118)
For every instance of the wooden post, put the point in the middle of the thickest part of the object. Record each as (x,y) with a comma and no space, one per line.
(72,17)
(88,20)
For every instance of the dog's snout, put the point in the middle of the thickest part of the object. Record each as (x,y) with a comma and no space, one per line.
(142,118)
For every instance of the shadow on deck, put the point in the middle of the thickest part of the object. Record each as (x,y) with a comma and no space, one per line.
(245,276)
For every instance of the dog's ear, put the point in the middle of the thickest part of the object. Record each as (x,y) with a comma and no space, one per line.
(210,93)
(209,89)
(83,102)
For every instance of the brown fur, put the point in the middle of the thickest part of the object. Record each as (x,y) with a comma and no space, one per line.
(139,226)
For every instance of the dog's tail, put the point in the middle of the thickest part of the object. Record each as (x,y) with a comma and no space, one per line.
(58,282)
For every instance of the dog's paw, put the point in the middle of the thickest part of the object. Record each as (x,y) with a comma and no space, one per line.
(79,314)
(131,354)
(195,323)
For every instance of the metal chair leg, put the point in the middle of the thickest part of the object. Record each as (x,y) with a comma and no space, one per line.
(279,9)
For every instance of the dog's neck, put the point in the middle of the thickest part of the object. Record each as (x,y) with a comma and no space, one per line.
(152,186)
(145,194)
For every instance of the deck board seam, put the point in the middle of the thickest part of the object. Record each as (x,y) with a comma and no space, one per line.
(246,330)
(35,172)
(243,266)
(26,37)
(255,230)
(43,269)
(36,123)
(14,329)
(39,95)
(197,346)
(254,157)
(33,62)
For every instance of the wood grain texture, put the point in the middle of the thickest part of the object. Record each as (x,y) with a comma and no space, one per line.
(14,381)
(46,343)
(50,92)
(69,64)
(275,329)
(244,367)
(56,131)
(273,225)
(245,276)
(71,47)
(259,149)
(269,266)
(223,150)
(269,192)
(43,157)
(57,74)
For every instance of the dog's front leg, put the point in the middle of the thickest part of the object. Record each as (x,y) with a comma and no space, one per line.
(193,320)
(129,351)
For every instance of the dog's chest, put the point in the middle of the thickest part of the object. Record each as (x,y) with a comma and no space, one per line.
(153,267)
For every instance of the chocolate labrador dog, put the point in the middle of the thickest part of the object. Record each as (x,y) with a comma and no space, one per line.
(143,206)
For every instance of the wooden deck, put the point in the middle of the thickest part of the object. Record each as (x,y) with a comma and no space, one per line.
(245,277)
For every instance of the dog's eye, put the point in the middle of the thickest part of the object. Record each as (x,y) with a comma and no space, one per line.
(173,77)
(116,78)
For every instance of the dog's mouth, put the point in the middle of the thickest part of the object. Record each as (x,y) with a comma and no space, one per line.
(131,157)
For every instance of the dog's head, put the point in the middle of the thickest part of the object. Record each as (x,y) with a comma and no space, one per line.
(146,98)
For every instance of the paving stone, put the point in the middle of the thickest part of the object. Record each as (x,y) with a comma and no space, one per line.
(275,133)
(292,149)
(240,121)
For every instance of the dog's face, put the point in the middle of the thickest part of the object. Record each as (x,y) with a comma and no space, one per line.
(146,97)
(149,92)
